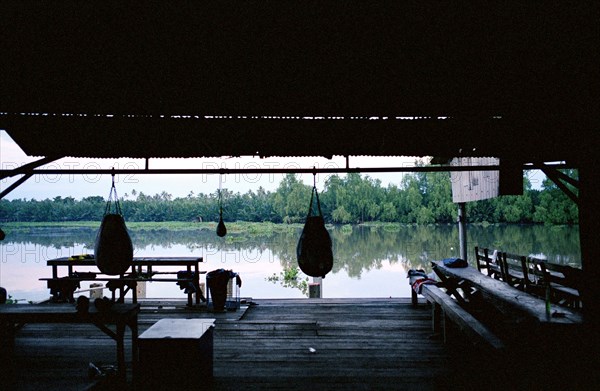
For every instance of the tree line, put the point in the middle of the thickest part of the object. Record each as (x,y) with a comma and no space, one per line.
(420,198)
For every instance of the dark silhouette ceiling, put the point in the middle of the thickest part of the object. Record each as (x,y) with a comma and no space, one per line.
(305,78)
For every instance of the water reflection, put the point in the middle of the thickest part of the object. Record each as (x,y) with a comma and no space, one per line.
(368,261)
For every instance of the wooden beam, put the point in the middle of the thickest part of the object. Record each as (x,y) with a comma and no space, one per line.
(15,185)
(561,175)
(557,177)
(229,171)
(27,168)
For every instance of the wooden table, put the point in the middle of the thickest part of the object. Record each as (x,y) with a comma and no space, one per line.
(507,298)
(142,269)
(13,317)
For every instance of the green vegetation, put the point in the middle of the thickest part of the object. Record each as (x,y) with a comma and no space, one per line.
(290,278)
(347,228)
(421,198)
(233,228)
(11,300)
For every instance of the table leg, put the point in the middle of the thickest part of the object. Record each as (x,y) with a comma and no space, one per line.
(197,283)
(133,325)
(8,369)
(121,369)
(190,301)
(7,340)
(450,284)
(134,293)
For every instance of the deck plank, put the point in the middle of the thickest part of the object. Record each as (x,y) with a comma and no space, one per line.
(358,344)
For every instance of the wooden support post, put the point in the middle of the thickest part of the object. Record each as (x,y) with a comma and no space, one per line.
(436,317)
(443,326)
(511,177)
(589,227)
(462,229)
(315,289)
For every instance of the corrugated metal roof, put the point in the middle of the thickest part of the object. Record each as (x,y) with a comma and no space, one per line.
(215,136)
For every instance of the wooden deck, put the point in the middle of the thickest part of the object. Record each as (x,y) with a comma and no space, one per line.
(298,344)
(358,344)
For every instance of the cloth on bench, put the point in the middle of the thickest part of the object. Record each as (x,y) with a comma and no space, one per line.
(455,262)
(184,285)
(418,278)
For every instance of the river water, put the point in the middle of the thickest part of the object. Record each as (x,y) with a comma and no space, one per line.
(368,261)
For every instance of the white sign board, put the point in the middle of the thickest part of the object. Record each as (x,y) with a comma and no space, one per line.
(474,185)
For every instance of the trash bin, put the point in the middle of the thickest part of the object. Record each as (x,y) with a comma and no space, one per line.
(217,281)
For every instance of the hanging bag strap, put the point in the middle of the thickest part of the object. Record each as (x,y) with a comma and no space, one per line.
(314,193)
(220,198)
(113,198)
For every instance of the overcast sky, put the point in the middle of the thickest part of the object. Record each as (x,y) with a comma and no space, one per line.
(79,186)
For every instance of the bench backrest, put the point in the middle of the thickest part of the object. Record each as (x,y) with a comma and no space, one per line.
(487,262)
(554,273)
(561,282)
(514,269)
(533,275)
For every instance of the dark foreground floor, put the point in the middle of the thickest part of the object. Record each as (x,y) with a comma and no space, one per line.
(303,344)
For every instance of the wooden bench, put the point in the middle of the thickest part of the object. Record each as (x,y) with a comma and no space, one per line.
(509,300)
(532,275)
(560,282)
(445,306)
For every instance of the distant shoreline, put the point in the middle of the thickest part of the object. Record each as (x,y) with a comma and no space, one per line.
(232,227)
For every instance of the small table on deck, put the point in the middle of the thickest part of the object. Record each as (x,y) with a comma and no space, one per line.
(141,270)
(506,297)
(12,317)
(176,354)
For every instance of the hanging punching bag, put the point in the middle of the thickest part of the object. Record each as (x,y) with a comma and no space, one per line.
(113,250)
(315,255)
(221,229)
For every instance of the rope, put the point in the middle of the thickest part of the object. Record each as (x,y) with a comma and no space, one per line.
(113,198)
(314,193)
(220,196)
